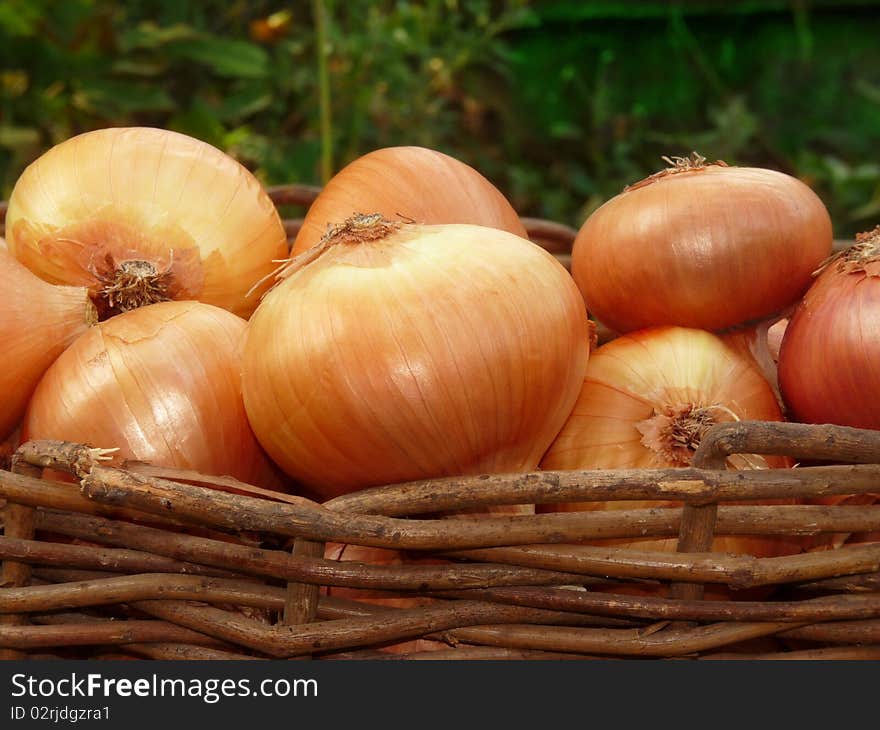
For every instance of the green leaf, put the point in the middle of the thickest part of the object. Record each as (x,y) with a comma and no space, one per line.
(107,97)
(17,137)
(245,102)
(19,18)
(150,36)
(146,69)
(229,58)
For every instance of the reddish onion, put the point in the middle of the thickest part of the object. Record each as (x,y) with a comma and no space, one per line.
(414,183)
(162,384)
(701,245)
(647,399)
(829,363)
(37,321)
(396,352)
(143,215)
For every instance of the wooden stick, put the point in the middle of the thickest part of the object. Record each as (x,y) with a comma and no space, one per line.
(88,557)
(826,653)
(839,632)
(652,642)
(18,523)
(697,529)
(652,607)
(541,564)
(55,495)
(689,485)
(301,603)
(42,576)
(109,632)
(125,589)
(293,194)
(186,652)
(233,511)
(868,582)
(278,564)
(555,237)
(739,571)
(287,641)
(798,440)
(73,458)
(694,486)
(470,653)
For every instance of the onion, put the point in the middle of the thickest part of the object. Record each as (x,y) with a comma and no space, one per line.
(162,384)
(143,215)
(701,245)
(398,351)
(647,399)
(828,364)
(412,183)
(37,321)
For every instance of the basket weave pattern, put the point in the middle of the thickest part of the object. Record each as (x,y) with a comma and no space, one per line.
(136,560)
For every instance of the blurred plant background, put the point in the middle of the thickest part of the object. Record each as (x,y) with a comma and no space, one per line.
(560,103)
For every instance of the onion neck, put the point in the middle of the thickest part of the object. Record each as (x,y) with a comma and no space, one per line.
(694,162)
(358,230)
(675,432)
(130,284)
(863,257)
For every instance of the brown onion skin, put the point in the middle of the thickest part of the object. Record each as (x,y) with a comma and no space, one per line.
(417,183)
(435,351)
(708,248)
(626,381)
(37,322)
(161,384)
(829,362)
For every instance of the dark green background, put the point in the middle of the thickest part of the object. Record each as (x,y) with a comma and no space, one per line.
(560,103)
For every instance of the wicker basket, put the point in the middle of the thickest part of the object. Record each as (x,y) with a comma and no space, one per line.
(193,566)
(143,561)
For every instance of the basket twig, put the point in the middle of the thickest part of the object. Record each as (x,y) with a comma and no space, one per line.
(736,571)
(233,511)
(18,523)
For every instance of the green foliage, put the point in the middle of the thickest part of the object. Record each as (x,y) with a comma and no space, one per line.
(560,103)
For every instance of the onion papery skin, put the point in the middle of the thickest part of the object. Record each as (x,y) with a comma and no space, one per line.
(197,217)
(433,351)
(708,248)
(414,183)
(37,322)
(829,362)
(161,384)
(638,376)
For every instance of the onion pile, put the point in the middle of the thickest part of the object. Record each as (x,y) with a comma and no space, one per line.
(37,321)
(701,245)
(141,215)
(646,401)
(416,332)
(396,351)
(160,383)
(408,183)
